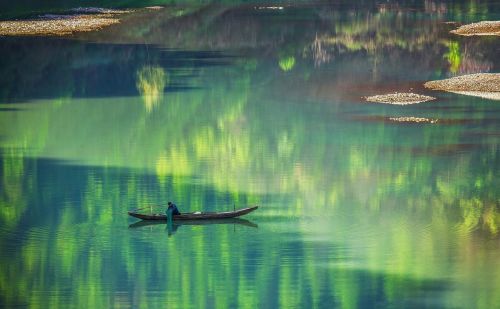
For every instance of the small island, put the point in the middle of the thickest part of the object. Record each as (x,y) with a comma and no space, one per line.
(399,98)
(412,119)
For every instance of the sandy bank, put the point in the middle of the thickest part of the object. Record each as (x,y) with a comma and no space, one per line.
(399,98)
(59,25)
(489,82)
(485,85)
(480,28)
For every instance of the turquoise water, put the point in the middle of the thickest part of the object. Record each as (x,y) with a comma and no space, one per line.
(222,106)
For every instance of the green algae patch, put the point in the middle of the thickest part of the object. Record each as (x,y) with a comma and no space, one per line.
(480,28)
(399,98)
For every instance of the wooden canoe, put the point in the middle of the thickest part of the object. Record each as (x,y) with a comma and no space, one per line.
(194,215)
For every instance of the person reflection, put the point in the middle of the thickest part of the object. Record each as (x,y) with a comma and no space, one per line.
(172,228)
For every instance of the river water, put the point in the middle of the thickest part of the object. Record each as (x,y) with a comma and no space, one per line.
(217,106)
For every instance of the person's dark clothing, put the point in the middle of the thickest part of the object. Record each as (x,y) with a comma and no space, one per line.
(174,210)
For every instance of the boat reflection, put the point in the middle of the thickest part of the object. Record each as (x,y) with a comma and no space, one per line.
(177,224)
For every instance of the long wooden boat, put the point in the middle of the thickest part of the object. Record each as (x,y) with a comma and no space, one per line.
(194,215)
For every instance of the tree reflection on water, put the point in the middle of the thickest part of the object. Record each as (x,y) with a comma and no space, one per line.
(355,211)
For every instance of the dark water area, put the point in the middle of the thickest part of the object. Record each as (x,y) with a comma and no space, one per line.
(223,105)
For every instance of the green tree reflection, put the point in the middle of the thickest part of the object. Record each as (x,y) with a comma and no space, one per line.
(355,212)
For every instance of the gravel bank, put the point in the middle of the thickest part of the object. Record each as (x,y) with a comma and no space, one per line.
(399,98)
(484,85)
(413,120)
(59,25)
(480,28)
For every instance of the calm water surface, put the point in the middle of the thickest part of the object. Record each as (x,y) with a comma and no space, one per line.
(222,106)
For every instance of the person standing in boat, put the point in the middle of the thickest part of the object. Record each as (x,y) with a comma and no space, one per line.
(172,209)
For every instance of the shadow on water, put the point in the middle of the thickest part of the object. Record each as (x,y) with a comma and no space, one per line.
(343,286)
(408,292)
(435,150)
(45,68)
(482,134)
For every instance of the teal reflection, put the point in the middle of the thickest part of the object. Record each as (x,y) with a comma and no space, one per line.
(356,209)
